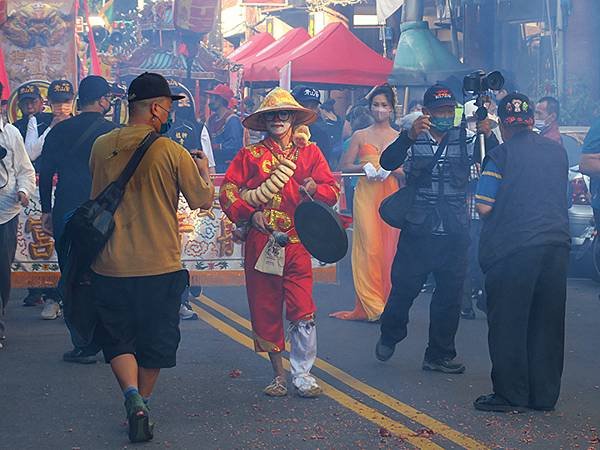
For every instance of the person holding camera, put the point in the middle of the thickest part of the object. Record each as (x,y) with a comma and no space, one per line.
(17,184)
(437,158)
(137,278)
(524,253)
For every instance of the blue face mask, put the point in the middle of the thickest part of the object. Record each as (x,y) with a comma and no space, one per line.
(442,124)
(165,127)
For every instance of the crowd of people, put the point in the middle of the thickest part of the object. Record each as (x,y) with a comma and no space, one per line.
(465,223)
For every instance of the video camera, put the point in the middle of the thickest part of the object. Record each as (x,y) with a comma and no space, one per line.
(479,83)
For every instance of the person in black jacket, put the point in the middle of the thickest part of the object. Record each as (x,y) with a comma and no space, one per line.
(435,233)
(524,253)
(66,152)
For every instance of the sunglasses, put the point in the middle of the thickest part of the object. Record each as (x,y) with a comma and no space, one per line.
(281,115)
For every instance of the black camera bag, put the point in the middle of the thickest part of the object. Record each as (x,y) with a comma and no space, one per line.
(90,226)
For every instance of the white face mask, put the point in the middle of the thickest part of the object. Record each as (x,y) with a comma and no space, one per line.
(540,124)
(381,114)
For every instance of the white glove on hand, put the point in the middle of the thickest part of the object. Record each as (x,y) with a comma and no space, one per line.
(383,174)
(370,171)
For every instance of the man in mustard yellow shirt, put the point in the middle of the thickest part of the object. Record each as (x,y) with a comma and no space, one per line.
(138,277)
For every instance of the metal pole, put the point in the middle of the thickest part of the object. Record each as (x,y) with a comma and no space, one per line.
(560,51)
(405,103)
(482,146)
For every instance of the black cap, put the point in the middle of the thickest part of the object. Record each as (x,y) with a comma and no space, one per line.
(92,88)
(437,96)
(150,85)
(516,110)
(60,91)
(305,94)
(29,91)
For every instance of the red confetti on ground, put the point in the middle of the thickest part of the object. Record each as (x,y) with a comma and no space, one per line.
(235,373)
(424,432)
(384,433)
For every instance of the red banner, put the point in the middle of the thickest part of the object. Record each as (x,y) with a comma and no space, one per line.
(195,15)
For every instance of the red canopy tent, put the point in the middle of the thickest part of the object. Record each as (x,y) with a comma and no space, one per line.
(288,42)
(333,57)
(252,46)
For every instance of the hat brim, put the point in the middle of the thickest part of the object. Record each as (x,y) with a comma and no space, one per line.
(441,103)
(28,96)
(302,116)
(176,98)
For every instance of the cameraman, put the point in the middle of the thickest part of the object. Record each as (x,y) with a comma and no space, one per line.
(17,184)
(435,237)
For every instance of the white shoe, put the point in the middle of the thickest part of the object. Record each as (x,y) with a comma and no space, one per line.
(51,310)
(306,386)
(186,313)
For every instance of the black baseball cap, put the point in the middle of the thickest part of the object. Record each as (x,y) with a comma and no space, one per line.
(305,94)
(150,85)
(516,110)
(29,91)
(92,88)
(60,91)
(437,96)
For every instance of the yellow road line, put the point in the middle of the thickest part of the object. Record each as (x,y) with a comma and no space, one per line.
(406,410)
(343,399)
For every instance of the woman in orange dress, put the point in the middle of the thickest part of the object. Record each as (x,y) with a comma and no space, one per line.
(374,242)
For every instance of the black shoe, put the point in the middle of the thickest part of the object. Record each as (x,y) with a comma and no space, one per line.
(467,314)
(496,403)
(384,352)
(78,356)
(444,365)
(33,300)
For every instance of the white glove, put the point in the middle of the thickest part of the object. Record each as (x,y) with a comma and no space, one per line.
(383,174)
(370,171)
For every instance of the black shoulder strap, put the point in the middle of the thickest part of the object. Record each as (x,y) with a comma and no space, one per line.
(135,160)
(87,134)
(438,153)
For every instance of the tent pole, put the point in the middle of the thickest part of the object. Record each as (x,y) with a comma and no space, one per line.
(405,103)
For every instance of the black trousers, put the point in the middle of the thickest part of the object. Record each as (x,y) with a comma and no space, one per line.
(527,293)
(8,247)
(416,257)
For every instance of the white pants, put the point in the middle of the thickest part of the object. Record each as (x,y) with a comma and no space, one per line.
(303,349)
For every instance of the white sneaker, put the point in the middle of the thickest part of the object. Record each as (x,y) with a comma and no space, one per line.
(306,386)
(186,313)
(51,310)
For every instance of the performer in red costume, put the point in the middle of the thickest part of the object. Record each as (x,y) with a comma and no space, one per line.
(262,188)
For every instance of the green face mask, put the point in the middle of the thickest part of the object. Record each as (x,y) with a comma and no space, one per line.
(442,124)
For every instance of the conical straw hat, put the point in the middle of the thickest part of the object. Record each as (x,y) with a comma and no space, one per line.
(279,100)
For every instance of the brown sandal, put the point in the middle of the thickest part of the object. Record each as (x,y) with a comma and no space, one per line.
(277,388)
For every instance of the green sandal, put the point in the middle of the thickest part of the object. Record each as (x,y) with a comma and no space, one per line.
(140,428)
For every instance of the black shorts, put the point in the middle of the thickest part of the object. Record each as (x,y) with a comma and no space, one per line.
(139,316)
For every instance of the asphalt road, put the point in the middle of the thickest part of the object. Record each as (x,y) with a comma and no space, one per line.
(213,399)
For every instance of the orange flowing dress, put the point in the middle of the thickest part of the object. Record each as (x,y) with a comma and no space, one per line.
(373,242)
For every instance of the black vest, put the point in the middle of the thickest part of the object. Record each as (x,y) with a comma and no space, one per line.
(441,197)
(531,207)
